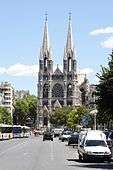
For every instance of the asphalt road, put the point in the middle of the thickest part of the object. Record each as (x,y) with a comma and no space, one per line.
(34,154)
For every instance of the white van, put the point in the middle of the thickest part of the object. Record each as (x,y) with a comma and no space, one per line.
(93,146)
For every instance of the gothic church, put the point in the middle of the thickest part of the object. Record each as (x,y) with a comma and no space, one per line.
(57,88)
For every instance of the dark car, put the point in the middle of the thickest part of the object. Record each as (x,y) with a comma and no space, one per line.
(73,139)
(47,136)
(109,138)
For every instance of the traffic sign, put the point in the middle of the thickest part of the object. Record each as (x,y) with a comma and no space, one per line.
(85,120)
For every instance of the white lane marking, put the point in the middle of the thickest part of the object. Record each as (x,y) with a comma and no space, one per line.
(52,152)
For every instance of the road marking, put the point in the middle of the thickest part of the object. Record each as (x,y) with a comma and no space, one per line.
(52,151)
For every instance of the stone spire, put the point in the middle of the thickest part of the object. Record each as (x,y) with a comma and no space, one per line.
(64,54)
(69,44)
(45,44)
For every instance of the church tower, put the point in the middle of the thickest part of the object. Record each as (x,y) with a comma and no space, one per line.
(71,90)
(44,78)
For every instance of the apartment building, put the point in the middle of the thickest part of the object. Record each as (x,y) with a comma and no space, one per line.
(6,96)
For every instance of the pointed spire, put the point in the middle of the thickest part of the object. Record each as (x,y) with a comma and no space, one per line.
(64,54)
(69,44)
(41,56)
(45,45)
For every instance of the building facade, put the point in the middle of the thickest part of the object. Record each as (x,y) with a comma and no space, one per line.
(20,94)
(92,97)
(57,88)
(6,96)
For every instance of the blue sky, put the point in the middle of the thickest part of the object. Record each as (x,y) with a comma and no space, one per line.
(21,32)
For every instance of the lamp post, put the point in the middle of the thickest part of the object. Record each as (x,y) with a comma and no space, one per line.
(94,113)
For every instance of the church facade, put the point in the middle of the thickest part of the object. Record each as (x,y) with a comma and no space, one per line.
(57,88)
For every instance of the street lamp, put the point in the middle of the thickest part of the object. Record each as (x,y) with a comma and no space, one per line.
(94,113)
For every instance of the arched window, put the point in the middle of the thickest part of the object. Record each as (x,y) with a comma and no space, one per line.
(69,62)
(45,62)
(69,90)
(57,90)
(83,94)
(45,90)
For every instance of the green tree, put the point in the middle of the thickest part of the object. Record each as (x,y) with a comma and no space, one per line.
(68,116)
(32,107)
(5,116)
(105,93)
(21,111)
(75,116)
(59,116)
(26,110)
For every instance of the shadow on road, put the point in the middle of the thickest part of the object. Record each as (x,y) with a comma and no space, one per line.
(96,165)
(76,160)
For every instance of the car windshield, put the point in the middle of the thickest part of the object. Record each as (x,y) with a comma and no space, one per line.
(95,143)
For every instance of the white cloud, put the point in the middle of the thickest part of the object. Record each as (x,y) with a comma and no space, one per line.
(20,70)
(85,71)
(108,43)
(107,30)
(2,70)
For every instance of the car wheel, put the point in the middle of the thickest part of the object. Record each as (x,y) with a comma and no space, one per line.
(62,140)
(51,139)
(68,143)
(84,158)
(80,157)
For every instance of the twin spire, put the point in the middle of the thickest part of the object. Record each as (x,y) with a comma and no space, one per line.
(69,44)
(45,44)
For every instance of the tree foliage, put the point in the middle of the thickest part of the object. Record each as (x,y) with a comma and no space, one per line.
(105,93)
(25,110)
(68,116)
(75,116)
(32,107)
(5,116)
(59,116)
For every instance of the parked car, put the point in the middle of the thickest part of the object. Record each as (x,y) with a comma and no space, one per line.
(109,138)
(47,135)
(73,139)
(65,135)
(57,132)
(93,146)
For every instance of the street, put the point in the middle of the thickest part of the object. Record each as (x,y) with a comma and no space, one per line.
(34,154)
